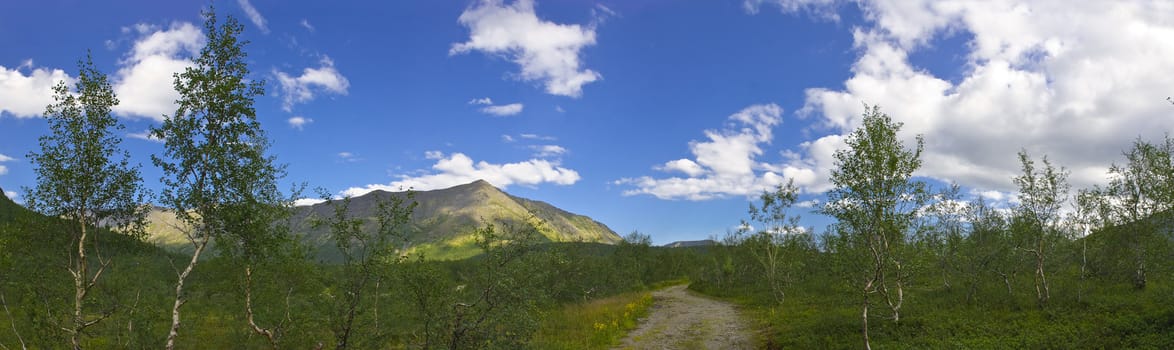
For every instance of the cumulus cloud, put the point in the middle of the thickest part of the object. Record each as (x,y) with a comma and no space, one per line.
(507,138)
(545,51)
(503,110)
(299,122)
(255,16)
(481,101)
(1032,79)
(686,166)
(25,95)
(457,168)
(11,195)
(312,82)
(145,78)
(725,164)
(306,24)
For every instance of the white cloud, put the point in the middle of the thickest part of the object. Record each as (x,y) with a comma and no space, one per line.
(145,78)
(481,101)
(348,157)
(1032,79)
(503,110)
(457,169)
(304,88)
(808,203)
(547,151)
(724,165)
(545,51)
(537,137)
(686,166)
(507,138)
(299,122)
(26,96)
(3,168)
(305,202)
(821,8)
(306,24)
(255,16)
(144,135)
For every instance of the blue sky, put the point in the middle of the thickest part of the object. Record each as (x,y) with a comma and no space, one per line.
(658,116)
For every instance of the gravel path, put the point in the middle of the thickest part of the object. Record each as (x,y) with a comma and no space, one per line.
(681,320)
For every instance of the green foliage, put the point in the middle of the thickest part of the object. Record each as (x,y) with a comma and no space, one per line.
(1138,208)
(217,176)
(1036,220)
(595,324)
(367,257)
(876,202)
(79,179)
(779,241)
(497,306)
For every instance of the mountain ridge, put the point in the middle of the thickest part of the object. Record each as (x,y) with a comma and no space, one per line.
(441,225)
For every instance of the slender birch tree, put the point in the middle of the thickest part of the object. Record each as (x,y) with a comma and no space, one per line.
(85,178)
(217,176)
(1042,192)
(875,200)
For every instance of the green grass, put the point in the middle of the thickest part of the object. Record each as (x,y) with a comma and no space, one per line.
(595,324)
(1108,317)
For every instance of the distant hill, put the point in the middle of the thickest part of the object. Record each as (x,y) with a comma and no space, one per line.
(686,244)
(9,209)
(441,226)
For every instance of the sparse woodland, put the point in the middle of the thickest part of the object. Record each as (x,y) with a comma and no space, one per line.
(905,265)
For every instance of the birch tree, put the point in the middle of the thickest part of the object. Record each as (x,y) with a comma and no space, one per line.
(875,201)
(1138,201)
(217,176)
(85,178)
(1042,192)
(769,243)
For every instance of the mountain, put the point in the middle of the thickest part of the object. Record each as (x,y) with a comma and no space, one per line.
(685,244)
(441,225)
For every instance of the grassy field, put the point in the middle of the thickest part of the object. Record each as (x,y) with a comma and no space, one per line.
(1106,317)
(595,324)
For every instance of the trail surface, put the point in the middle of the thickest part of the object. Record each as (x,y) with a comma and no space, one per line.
(681,320)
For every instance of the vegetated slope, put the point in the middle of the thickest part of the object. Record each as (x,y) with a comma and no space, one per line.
(442,224)
(9,209)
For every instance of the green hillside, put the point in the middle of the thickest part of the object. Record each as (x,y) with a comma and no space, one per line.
(9,209)
(441,226)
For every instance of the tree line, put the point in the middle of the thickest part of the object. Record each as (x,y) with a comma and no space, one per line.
(896,239)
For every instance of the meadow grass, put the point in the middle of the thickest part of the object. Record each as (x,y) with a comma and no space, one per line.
(594,324)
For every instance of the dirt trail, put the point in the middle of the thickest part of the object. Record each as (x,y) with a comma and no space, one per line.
(681,320)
